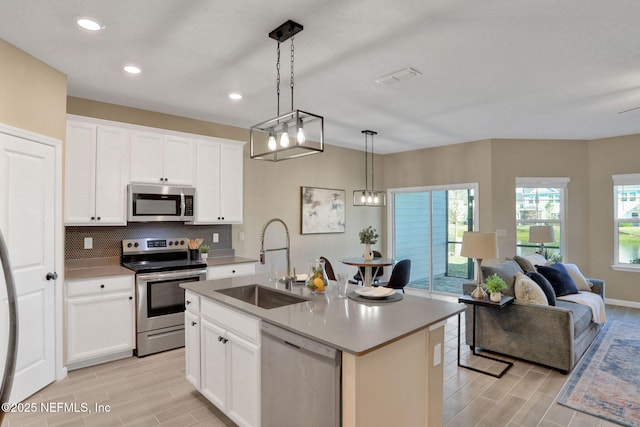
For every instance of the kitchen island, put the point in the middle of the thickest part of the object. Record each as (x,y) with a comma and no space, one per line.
(392,353)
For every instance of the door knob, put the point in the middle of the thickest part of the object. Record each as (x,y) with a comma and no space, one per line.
(52,276)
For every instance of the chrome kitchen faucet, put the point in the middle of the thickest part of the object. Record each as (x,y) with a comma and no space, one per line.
(288,279)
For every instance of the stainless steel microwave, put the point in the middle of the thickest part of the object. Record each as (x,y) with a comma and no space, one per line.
(148,203)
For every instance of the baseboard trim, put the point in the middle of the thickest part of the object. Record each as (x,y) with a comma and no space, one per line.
(622,303)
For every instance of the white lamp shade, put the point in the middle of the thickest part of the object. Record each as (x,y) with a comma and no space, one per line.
(479,245)
(541,234)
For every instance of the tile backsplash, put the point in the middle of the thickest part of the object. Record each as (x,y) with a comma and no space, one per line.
(107,241)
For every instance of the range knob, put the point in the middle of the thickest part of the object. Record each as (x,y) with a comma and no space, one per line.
(129,245)
(181,242)
(136,244)
(170,243)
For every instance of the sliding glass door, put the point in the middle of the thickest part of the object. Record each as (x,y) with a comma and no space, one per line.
(426,226)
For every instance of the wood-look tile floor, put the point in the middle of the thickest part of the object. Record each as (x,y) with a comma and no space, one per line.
(152,391)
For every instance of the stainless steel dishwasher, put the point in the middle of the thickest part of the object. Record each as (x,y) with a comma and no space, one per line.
(300,380)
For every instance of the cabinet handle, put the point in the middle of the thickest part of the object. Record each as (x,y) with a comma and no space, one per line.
(187,302)
(93,218)
(161,179)
(98,218)
(52,276)
(101,286)
(194,323)
(233,271)
(130,297)
(224,340)
(220,338)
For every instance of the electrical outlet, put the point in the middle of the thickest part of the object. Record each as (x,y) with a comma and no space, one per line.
(241,236)
(437,359)
(216,237)
(88,242)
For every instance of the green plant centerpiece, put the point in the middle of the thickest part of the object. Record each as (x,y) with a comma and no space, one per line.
(495,285)
(368,236)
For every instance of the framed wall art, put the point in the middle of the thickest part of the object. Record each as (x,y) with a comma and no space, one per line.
(322,210)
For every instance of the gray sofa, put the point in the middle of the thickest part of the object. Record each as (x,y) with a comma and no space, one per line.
(554,336)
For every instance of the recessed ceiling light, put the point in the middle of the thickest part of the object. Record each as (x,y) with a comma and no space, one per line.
(90,24)
(132,69)
(235,96)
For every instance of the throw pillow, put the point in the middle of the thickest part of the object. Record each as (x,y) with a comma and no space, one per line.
(536,259)
(544,285)
(528,292)
(581,282)
(524,263)
(507,270)
(559,278)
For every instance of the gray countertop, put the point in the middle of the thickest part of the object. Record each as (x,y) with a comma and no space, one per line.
(341,323)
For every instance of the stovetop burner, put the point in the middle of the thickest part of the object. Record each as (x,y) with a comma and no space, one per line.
(150,255)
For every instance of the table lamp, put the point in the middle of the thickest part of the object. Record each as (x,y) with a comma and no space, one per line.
(541,234)
(479,246)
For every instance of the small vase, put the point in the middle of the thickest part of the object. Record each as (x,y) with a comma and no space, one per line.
(317,280)
(368,253)
(495,296)
(204,256)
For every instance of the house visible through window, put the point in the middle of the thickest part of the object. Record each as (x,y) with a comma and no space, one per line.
(540,201)
(626,189)
(426,226)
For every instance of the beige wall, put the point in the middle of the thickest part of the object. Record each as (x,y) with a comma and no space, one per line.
(34,98)
(33,95)
(607,157)
(272,189)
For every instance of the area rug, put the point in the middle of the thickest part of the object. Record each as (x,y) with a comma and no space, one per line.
(606,382)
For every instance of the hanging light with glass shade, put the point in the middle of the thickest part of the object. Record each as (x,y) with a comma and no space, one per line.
(289,135)
(369,196)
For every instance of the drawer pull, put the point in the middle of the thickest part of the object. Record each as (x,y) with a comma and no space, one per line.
(194,323)
(187,302)
(101,286)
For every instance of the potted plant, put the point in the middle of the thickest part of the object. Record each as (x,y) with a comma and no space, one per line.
(204,252)
(368,237)
(495,285)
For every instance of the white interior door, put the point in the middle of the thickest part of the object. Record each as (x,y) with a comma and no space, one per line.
(27,215)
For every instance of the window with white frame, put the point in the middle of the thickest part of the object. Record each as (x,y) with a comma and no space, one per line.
(540,201)
(626,214)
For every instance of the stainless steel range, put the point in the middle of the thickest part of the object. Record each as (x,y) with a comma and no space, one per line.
(160,266)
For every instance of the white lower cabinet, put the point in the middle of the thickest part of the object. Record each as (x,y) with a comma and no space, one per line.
(100,319)
(226,343)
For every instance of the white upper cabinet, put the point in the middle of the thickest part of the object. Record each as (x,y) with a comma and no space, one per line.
(218,182)
(96,174)
(157,158)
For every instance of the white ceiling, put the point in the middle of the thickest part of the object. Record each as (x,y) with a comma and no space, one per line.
(490,69)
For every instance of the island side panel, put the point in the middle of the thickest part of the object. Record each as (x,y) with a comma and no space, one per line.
(397,384)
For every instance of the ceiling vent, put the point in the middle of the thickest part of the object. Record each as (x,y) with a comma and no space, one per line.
(398,76)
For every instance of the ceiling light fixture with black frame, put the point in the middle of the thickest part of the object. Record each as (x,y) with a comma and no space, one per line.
(270,140)
(369,196)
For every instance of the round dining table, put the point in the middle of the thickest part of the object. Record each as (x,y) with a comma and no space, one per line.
(368,265)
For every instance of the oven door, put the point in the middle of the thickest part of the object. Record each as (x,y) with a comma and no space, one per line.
(160,299)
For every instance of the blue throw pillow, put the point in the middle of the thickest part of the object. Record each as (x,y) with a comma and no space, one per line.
(559,278)
(544,285)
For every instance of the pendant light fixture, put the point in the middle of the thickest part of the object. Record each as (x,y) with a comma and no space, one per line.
(369,196)
(271,140)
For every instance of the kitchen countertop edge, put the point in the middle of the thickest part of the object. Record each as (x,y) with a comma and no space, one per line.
(345,328)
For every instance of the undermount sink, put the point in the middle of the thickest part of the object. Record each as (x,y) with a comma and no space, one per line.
(262,296)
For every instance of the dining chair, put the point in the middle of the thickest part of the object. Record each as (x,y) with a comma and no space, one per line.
(400,276)
(331,275)
(376,278)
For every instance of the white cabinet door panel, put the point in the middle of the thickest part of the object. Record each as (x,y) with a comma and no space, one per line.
(208,209)
(213,363)
(243,401)
(80,177)
(99,325)
(178,160)
(231,179)
(112,175)
(147,157)
(192,348)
